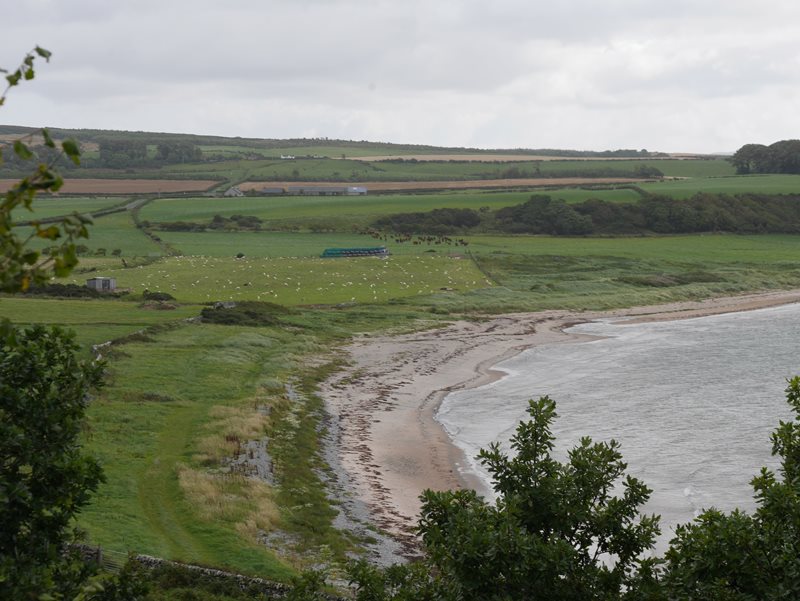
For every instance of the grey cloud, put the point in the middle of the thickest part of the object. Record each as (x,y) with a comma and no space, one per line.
(505,73)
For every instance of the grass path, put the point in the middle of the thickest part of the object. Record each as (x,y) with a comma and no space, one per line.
(160,496)
(146,428)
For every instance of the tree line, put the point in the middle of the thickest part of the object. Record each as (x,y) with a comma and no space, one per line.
(542,214)
(780,157)
(114,153)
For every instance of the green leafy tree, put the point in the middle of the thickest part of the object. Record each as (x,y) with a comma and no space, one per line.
(20,265)
(740,556)
(556,531)
(44,477)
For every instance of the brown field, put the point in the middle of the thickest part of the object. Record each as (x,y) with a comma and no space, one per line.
(453,185)
(125,186)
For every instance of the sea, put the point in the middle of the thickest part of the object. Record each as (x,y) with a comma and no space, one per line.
(692,402)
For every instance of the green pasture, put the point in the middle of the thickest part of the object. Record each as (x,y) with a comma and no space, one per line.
(300,281)
(94,321)
(669,167)
(337,169)
(330,151)
(119,231)
(55,206)
(178,402)
(283,244)
(147,425)
(534,273)
(346,212)
(110,232)
(740,184)
(725,248)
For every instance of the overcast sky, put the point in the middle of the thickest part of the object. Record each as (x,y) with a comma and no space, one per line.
(677,75)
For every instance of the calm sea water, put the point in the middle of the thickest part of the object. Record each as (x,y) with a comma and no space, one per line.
(692,402)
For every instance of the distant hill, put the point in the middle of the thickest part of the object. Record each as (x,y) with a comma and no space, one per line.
(327,147)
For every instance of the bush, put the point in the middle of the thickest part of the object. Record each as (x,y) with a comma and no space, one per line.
(157,296)
(244,313)
(63,291)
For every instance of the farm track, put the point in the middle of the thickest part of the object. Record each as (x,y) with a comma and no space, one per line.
(159,489)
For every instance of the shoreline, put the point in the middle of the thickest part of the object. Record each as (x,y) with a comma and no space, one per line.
(385,402)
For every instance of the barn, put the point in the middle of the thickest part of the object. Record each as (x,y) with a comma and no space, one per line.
(373,251)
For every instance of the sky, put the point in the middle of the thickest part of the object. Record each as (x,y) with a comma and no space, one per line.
(670,76)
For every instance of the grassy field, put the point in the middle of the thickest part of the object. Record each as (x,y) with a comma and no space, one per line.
(153,431)
(762,184)
(535,273)
(57,206)
(114,231)
(301,281)
(93,321)
(180,401)
(279,244)
(323,169)
(348,212)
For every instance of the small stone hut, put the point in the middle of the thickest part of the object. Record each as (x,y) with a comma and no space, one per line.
(102,284)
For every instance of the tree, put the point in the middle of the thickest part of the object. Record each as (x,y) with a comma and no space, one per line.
(44,477)
(556,531)
(750,158)
(20,265)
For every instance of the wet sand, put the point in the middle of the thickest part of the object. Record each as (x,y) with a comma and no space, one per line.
(385,401)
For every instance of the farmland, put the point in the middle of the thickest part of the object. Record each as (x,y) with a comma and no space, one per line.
(301,281)
(183,395)
(283,212)
(761,184)
(55,206)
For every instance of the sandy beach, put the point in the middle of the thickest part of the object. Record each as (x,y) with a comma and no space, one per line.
(385,401)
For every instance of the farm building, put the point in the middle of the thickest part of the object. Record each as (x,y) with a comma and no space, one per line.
(374,251)
(317,190)
(102,284)
(272,191)
(326,190)
(233,192)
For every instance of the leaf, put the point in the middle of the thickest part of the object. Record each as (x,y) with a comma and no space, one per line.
(45,54)
(50,233)
(14,78)
(22,151)
(72,151)
(48,141)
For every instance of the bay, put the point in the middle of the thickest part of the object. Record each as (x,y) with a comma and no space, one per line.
(692,402)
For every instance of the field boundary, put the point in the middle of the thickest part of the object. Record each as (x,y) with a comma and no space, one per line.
(114,561)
